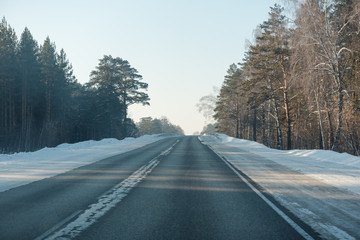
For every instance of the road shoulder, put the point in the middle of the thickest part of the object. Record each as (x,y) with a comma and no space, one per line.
(330,211)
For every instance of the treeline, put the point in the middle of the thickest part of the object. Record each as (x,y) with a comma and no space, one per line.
(148,126)
(42,104)
(299,86)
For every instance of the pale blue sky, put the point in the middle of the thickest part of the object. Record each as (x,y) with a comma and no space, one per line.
(181,47)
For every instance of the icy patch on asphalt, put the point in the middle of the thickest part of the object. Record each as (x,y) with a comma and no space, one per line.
(22,168)
(328,230)
(336,232)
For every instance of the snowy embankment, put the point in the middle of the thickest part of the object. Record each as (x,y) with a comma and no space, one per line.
(22,168)
(320,187)
(338,169)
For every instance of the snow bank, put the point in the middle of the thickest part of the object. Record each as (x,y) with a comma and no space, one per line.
(320,187)
(337,169)
(22,168)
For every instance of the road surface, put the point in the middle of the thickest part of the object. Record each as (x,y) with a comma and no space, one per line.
(176,188)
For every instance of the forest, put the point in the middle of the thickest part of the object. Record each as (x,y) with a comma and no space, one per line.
(42,104)
(148,126)
(298,86)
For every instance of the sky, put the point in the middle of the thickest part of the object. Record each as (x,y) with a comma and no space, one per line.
(182,48)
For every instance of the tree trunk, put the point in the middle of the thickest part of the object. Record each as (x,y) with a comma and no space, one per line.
(237,130)
(238,127)
(288,120)
(279,134)
(254,126)
(335,146)
(48,102)
(28,146)
(24,112)
(269,125)
(263,124)
(322,141)
(331,131)
(287,108)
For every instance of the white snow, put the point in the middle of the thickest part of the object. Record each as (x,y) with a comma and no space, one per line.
(22,168)
(337,169)
(320,187)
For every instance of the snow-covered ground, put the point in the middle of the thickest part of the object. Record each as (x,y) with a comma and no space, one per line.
(22,168)
(338,169)
(320,187)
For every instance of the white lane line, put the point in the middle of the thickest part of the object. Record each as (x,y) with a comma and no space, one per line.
(273,206)
(105,202)
(57,226)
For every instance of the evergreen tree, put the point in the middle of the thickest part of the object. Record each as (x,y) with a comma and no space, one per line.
(42,104)
(148,126)
(58,81)
(119,86)
(31,92)
(269,60)
(66,87)
(229,107)
(49,75)
(9,86)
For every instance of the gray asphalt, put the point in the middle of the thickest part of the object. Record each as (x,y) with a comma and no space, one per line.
(28,211)
(190,194)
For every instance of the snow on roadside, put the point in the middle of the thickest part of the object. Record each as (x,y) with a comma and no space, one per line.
(322,188)
(341,170)
(22,168)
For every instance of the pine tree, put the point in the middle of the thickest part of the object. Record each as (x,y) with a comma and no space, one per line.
(269,59)
(66,86)
(9,86)
(229,107)
(148,125)
(56,75)
(119,85)
(31,91)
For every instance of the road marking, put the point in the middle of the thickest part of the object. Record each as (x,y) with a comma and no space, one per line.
(105,202)
(57,226)
(272,205)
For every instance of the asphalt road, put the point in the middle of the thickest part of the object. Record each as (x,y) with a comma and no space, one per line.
(187,192)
